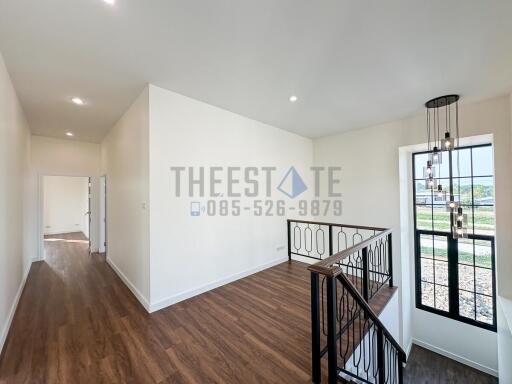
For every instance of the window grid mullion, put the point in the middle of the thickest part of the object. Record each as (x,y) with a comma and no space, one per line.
(473,226)
(453,282)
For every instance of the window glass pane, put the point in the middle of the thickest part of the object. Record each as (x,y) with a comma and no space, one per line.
(424,217)
(484,309)
(420,161)
(484,221)
(426,242)
(427,270)
(465,248)
(423,195)
(469,212)
(464,162)
(441,248)
(483,189)
(441,219)
(466,278)
(482,161)
(441,272)
(427,294)
(442,298)
(467,304)
(443,169)
(483,281)
(462,188)
(483,253)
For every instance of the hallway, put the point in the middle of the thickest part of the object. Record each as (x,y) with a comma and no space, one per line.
(69,323)
(78,323)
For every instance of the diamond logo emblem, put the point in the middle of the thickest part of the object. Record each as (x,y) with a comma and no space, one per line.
(292,184)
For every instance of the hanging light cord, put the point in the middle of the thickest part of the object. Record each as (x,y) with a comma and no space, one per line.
(428,129)
(435,137)
(446,118)
(450,119)
(458,139)
(438,143)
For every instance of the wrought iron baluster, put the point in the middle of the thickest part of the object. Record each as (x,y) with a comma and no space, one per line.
(308,232)
(317,242)
(296,230)
(342,235)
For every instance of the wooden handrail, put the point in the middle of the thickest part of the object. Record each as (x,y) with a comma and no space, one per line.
(337,225)
(324,266)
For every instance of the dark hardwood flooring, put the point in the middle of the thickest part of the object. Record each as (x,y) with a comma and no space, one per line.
(427,367)
(78,323)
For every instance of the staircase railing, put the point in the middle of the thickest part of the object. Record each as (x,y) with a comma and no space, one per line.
(344,326)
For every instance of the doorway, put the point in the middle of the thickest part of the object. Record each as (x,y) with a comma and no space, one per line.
(66,208)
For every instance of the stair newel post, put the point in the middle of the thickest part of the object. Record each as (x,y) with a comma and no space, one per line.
(332,355)
(380,355)
(289,230)
(330,241)
(401,370)
(315,328)
(366,272)
(390,259)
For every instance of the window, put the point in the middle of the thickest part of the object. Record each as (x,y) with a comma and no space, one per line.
(456,277)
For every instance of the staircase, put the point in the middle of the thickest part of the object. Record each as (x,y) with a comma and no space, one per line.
(345,279)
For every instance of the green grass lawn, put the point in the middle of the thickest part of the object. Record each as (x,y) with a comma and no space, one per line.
(464,257)
(484,220)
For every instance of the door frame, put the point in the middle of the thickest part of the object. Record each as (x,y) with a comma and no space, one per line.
(103,233)
(40,209)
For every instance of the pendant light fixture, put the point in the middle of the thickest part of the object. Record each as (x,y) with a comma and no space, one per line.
(439,110)
(440,194)
(460,227)
(429,172)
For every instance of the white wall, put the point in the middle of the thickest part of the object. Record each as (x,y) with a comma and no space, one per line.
(65,205)
(371,195)
(18,245)
(125,161)
(505,339)
(504,324)
(193,254)
(62,157)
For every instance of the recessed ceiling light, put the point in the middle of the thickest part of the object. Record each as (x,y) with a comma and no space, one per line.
(77,101)
(110,2)
(70,134)
(293,98)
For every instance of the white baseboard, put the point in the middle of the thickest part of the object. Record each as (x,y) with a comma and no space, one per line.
(215,284)
(455,357)
(63,231)
(7,326)
(130,285)
(408,348)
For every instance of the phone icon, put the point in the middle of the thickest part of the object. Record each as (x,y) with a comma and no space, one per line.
(195,208)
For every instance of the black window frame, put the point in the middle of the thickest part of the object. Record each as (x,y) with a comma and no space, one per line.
(452,254)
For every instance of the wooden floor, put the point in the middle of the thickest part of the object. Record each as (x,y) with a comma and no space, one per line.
(426,367)
(77,323)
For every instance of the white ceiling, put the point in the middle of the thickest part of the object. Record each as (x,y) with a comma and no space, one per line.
(352,63)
